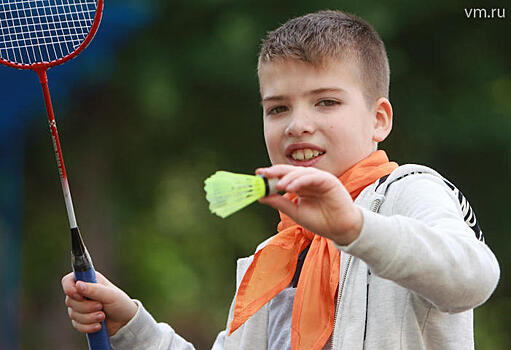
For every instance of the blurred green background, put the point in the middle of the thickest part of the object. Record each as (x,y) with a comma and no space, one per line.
(182,102)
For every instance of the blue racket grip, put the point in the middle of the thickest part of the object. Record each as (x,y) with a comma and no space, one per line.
(98,340)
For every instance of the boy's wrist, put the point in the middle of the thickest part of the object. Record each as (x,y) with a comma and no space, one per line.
(131,312)
(141,330)
(352,230)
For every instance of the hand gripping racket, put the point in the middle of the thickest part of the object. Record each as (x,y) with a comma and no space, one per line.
(38,35)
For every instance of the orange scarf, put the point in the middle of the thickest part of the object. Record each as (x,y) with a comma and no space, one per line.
(274,266)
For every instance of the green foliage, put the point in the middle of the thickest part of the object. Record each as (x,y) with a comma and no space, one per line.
(139,147)
(491,324)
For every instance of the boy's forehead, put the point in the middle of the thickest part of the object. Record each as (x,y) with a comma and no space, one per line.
(287,76)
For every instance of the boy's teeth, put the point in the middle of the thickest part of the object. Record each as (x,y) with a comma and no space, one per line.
(305,154)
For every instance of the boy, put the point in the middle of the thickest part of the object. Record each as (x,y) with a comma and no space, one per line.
(368,255)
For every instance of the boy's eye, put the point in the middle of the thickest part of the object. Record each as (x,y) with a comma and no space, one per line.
(278,109)
(327,103)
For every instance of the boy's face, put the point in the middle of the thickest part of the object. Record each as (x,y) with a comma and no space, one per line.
(316,116)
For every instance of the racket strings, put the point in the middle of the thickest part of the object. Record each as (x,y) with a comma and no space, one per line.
(43,30)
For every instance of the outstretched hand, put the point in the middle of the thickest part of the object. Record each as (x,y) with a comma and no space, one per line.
(324,206)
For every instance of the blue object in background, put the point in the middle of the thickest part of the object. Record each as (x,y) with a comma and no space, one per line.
(11,169)
(21,101)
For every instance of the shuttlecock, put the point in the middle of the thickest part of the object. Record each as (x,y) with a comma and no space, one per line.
(228,192)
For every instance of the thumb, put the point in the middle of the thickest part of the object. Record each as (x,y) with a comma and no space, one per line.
(281,203)
(96,291)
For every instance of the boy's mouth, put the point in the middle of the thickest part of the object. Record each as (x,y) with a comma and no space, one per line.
(304,154)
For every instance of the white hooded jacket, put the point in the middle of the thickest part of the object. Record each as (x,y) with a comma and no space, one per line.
(409,281)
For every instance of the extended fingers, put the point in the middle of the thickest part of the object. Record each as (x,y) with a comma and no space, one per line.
(278,170)
(292,177)
(286,174)
(304,182)
(280,203)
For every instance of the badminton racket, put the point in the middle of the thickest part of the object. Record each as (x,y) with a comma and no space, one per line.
(38,35)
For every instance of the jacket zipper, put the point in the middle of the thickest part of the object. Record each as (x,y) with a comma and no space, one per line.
(374,207)
(339,295)
(367,308)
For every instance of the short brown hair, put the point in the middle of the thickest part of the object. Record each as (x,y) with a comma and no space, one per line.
(315,37)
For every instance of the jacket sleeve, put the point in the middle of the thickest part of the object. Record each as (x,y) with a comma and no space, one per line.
(425,245)
(142,332)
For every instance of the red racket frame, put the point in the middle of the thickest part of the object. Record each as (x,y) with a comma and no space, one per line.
(98,340)
(41,68)
(45,65)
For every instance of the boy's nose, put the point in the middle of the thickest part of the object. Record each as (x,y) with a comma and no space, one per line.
(300,124)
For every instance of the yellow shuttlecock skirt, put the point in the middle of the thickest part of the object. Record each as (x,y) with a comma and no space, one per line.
(229,192)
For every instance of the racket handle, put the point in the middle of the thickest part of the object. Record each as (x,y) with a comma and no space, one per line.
(98,340)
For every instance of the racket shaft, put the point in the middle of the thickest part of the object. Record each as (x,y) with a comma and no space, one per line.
(57,149)
(98,340)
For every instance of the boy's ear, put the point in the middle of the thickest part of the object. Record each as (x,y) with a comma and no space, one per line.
(383,119)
